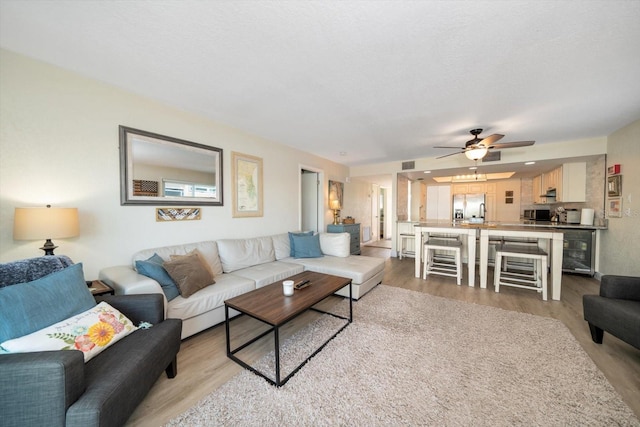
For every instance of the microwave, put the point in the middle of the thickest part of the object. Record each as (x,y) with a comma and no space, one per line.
(537,214)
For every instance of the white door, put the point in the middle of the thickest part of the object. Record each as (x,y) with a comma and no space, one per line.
(309,198)
(376,212)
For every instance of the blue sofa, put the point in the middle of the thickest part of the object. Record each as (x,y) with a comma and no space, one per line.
(58,388)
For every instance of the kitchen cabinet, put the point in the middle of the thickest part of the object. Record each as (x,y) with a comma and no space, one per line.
(460,188)
(490,188)
(490,207)
(538,190)
(439,202)
(572,183)
(569,181)
(474,187)
(477,187)
(552,179)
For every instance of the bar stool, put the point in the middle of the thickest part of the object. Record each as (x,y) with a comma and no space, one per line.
(407,245)
(439,264)
(519,264)
(535,280)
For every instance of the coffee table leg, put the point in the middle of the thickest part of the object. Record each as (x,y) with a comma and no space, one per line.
(350,302)
(226,326)
(276,338)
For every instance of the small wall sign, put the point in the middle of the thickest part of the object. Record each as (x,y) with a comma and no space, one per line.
(178,214)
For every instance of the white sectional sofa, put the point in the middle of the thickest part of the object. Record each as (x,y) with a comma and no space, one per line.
(241,265)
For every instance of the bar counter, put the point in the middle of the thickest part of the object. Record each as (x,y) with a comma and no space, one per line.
(549,234)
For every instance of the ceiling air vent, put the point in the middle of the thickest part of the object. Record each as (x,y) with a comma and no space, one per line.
(408,165)
(492,156)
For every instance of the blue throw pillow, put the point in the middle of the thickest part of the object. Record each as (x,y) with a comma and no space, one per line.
(31,306)
(307,246)
(153,268)
(292,243)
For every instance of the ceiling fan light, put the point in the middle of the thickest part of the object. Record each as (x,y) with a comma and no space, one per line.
(476,153)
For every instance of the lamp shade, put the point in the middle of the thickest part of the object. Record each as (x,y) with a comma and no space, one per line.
(335,205)
(45,223)
(476,153)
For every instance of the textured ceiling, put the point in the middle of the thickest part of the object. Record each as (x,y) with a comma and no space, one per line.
(376,81)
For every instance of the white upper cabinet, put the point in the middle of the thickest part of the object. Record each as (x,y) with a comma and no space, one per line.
(572,187)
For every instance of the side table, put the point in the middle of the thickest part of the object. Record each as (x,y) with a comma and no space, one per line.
(98,287)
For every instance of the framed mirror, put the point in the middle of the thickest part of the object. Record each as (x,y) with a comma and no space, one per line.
(160,170)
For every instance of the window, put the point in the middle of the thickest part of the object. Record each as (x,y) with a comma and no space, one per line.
(188,189)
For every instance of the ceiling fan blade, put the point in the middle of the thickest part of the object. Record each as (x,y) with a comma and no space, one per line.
(491,139)
(450,148)
(512,144)
(447,155)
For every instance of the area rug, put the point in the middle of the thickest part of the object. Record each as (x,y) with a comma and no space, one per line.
(410,358)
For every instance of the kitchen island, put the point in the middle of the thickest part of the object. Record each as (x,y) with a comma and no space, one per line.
(550,236)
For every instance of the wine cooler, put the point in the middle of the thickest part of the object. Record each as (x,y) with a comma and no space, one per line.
(579,251)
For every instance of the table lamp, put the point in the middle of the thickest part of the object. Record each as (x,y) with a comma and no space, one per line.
(335,205)
(45,223)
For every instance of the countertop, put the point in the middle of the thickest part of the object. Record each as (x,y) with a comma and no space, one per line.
(493,224)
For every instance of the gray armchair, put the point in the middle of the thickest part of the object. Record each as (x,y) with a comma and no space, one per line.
(57,388)
(616,310)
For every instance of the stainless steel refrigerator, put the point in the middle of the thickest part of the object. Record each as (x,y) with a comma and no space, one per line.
(469,206)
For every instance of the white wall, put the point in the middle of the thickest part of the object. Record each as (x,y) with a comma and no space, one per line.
(357,203)
(620,244)
(59,146)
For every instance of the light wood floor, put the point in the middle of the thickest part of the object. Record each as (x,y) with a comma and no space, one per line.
(203,365)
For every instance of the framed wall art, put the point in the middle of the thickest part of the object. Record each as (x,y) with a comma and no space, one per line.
(615,208)
(246,180)
(614,185)
(336,189)
(178,214)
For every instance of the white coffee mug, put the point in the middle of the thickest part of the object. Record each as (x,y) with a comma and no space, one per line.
(287,287)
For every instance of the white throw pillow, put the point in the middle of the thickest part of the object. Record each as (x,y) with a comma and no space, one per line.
(91,332)
(335,244)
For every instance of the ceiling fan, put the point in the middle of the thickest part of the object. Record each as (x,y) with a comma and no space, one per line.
(477,148)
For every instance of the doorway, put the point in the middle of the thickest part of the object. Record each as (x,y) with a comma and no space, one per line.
(381,207)
(311,200)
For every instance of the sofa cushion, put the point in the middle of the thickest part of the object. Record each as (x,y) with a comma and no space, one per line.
(291,243)
(335,244)
(281,246)
(153,268)
(208,249)
(189,272)
(91,332)
(265,274)
(356,267)
(227,286)
(306,246)
(236,254)
(28,270)
(28,307)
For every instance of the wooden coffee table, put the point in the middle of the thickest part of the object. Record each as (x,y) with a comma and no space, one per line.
(269,305)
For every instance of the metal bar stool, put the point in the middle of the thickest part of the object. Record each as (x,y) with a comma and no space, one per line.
(407,245)
(436,264)
(536,280)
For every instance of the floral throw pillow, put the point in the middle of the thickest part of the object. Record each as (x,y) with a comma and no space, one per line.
(91,332)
